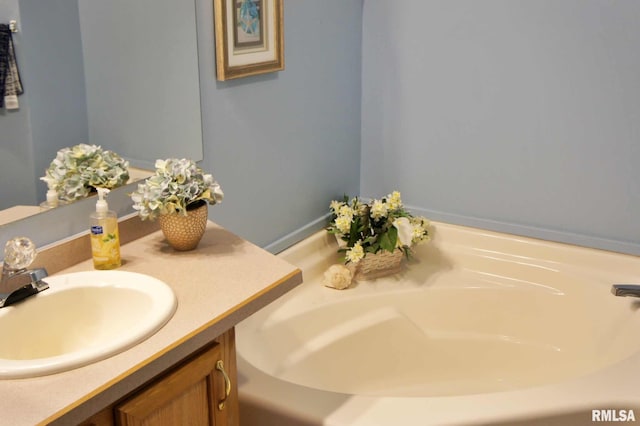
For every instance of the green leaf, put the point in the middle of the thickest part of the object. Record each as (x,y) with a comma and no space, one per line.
(393,236)
(371,240)
(354,234)
(389,239)
(385,243)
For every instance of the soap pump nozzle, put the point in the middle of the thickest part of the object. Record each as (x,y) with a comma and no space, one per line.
(52,196)
(52,199)
(101,204)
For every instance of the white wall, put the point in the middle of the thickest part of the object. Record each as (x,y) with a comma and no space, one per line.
(520,116)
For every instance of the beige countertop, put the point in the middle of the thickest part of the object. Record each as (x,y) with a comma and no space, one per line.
(217,285)
(17,213)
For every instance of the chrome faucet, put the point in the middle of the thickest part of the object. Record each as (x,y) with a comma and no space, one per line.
(17,282)
(626,290)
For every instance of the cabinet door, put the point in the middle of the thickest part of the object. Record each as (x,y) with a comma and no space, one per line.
(189,395)
(227,414)
(101,418)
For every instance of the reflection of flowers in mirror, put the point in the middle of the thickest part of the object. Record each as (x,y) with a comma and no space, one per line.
(78,170)
(176,184)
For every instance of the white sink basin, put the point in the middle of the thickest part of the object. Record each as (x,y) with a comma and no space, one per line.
(83,317)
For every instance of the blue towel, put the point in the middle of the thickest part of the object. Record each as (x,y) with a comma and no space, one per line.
(10,84)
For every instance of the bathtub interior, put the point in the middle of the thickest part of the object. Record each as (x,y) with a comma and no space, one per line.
(470,313)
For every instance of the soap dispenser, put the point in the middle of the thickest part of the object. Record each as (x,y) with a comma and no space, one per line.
(52,199)
(105,238)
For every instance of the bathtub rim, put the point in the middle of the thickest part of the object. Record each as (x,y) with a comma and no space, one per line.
(612,387)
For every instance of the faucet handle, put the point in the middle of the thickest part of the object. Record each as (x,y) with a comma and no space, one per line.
(19,253)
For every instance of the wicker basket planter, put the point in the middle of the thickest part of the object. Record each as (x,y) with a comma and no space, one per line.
(375,265)
(183,233)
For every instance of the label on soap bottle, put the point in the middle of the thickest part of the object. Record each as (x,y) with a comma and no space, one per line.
(105,245)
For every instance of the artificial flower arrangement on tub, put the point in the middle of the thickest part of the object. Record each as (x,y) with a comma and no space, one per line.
(178,195)
(374,237)
(78,170)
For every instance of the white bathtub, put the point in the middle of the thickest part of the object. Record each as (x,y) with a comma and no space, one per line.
(478,328)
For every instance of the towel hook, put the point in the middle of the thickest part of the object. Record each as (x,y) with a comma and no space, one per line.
(13,26)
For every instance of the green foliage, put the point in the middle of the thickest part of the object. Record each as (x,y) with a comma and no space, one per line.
(78,170)
(376,226)
(176,184)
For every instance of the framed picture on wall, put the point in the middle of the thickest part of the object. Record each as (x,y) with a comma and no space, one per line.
(249,37)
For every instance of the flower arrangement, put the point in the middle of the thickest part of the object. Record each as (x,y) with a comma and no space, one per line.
(78,170)
(176,185)
(381,225)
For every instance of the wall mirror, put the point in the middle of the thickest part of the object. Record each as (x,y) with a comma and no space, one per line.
(122,74)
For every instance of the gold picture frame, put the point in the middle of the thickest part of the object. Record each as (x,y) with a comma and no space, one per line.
(249,37)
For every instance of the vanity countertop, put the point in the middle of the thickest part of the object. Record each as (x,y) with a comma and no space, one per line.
(217,285)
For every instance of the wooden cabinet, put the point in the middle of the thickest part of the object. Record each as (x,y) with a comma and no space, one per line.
(199,391)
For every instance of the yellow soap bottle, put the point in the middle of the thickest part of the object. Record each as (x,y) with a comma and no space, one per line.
(105,238)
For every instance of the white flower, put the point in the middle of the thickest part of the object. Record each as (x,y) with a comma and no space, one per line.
(338,277)
(378,209)
(378,225)
(176,184)
(356,253)
(394,201)
(346,211)
(335,206)
(218,195)
(78,169)
(343,223)
(420,229)
(405,231)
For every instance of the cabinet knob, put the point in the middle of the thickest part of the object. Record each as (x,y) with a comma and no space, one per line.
(227,384)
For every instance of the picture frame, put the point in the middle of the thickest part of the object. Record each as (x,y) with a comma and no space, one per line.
(249,37)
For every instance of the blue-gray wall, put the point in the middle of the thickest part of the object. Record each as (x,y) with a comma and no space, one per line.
(52,110)
(516,116)
(520,116)
(54,79)
(282,145)
(16,147)
(141,73)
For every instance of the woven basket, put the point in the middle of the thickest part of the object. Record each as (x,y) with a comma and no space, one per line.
(375,265)
(184,232)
